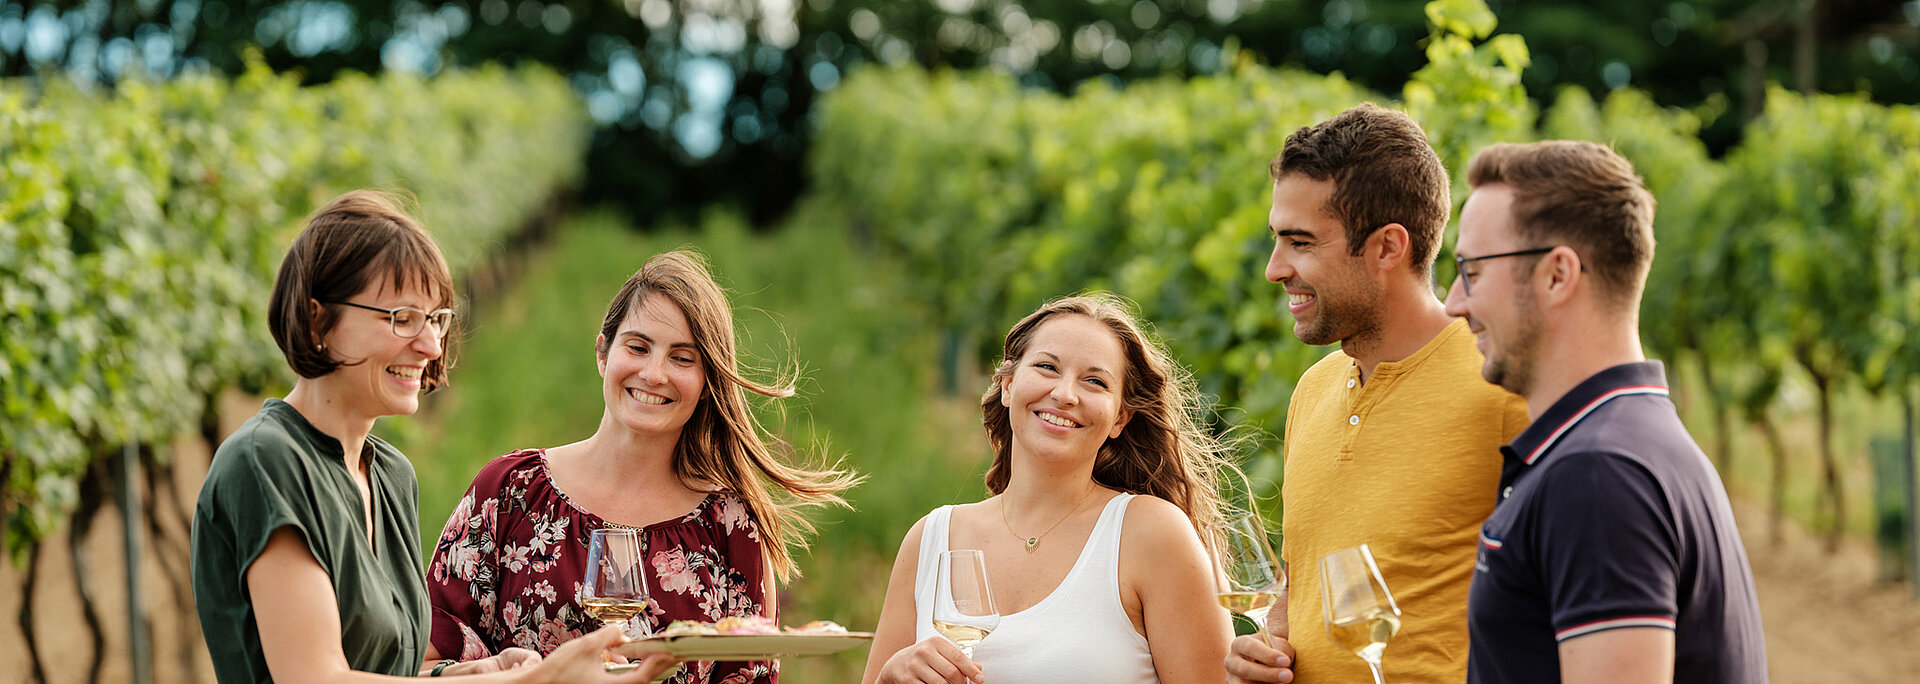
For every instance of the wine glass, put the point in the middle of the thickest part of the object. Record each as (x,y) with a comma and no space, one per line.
(614,590)
(1360,612)
(963,609)
(1247,576)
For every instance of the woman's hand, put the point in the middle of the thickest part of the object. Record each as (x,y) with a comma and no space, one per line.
(932,661)
(585,660)
(509,659)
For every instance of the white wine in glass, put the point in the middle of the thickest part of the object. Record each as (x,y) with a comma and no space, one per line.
(1253,604)
(614,611)
(963,609)
(1360,612)
(614,590)
(1365,634)
(1247,576)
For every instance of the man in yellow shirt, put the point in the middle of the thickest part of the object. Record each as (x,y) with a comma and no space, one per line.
(1394,440)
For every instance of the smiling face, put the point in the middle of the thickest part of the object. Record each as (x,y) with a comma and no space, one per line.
(1328,293)
(1064,395)
(652,374)
(383,370)
(1503,312)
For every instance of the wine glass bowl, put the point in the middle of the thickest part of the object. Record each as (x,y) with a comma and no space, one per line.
(963,608)
(1360,613)
(614,590)
(1248,577)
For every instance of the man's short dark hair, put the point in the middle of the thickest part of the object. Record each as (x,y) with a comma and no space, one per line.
(1583,195)
(1383,171)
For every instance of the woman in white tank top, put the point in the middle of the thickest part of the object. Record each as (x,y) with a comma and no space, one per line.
(1102,481)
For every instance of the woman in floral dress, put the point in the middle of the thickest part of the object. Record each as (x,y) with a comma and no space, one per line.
(677,455)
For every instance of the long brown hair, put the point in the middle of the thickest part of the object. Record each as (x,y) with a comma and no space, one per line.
(1164,450)
(723,443)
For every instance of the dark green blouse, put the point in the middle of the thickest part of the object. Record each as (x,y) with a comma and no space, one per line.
(278,471)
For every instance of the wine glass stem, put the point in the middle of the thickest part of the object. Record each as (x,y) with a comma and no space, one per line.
(1377,677)
(607,657)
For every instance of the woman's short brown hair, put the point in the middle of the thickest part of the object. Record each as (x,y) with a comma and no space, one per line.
(348,245)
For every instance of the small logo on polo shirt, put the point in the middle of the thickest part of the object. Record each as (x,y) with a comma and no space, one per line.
(1486,544)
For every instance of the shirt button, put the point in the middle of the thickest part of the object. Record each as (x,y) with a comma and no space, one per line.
(1353,420)
(1350,382)
(1504,493)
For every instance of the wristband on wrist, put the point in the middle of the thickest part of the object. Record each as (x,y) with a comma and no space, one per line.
(441,666)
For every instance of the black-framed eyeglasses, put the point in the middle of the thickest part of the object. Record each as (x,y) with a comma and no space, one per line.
(409,322)
(1466,281)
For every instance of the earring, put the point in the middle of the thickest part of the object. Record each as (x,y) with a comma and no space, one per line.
(320,347)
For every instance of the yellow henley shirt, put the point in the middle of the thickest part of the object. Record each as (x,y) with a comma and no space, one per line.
(1407,463)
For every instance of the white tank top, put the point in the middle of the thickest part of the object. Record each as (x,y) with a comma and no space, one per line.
(1078,633)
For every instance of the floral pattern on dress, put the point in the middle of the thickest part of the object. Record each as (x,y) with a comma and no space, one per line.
(726,593)
(508,567)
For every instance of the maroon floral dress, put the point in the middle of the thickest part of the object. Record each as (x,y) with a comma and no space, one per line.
(510,562)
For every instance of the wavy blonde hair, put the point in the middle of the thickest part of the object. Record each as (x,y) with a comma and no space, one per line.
(1165,449)
(722,442)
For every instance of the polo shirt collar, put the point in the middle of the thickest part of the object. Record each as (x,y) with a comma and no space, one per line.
(1534,443)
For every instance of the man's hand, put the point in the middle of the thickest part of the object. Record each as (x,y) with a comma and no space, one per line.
(1263,656)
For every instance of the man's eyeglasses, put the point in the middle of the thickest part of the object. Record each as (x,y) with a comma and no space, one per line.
(409,322)
(1466,281)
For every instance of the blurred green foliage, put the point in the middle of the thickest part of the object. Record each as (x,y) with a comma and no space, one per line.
(140,234)
(708,101)
(1795,253)
(1796,250)
(1000,198)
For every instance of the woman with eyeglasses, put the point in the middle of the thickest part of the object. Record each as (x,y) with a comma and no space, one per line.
(306,565)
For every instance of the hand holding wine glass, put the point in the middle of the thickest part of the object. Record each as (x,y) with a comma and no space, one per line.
(1248,577)
(963,609)
(614,590)
(1361,614)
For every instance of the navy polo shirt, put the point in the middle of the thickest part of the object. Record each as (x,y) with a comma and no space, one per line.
(1610,517)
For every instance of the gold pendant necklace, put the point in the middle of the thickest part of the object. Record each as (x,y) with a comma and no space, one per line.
(1033,542)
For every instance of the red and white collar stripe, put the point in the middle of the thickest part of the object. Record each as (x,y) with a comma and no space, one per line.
(1573,420)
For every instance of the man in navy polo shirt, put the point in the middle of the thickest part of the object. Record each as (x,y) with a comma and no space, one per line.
(1612,554)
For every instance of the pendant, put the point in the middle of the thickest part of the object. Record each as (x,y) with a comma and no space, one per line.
(1032,542)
